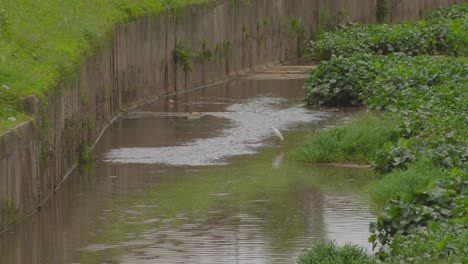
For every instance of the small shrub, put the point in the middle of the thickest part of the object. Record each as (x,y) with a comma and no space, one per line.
(206,55)
(330,253)
(382,10)
(393,156)
(183,56)
(86,155)
(296,31)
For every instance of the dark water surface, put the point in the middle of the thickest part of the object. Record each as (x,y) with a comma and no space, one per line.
(200,181)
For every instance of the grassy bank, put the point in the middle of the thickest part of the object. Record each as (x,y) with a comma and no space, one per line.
(403,181)
(42,42)
(422,190)
(354,142)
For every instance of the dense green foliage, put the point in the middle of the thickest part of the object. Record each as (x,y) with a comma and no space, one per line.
(437,243)
(423,212)
(425,94)
(330,253)
(377,80)
(442,32)
(355,142)
(423,174)
(43,41)
(451,12)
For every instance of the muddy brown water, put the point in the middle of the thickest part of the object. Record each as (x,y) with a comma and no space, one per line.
(202,180)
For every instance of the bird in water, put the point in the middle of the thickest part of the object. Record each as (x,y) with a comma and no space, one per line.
(194,115)
(278,134)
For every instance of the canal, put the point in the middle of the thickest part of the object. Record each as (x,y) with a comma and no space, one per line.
(200,178)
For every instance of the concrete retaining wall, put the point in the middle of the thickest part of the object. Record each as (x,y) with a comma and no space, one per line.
(137,65)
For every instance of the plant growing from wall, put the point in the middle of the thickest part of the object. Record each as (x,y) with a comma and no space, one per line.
(323,21)
(206,55)
(261,34)
(224,48)
(343,16)
(86,154)
(86,131)
(382,10)
(183,56)
(245,34)
(245,40)
(45,151)
(7,211)
(386,10)
(296,31)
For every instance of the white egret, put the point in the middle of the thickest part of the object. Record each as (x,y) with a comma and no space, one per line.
(278,134)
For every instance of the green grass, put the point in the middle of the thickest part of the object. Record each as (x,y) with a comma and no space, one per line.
(400,182)
(354,142)
(43,41)
(330,253)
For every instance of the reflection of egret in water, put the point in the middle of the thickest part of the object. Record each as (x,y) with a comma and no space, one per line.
(277,160)
(310,201)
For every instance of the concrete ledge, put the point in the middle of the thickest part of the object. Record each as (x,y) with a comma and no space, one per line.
(14,140)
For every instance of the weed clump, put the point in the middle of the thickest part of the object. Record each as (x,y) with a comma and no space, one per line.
(355,142)
(330,253)
(183,56)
